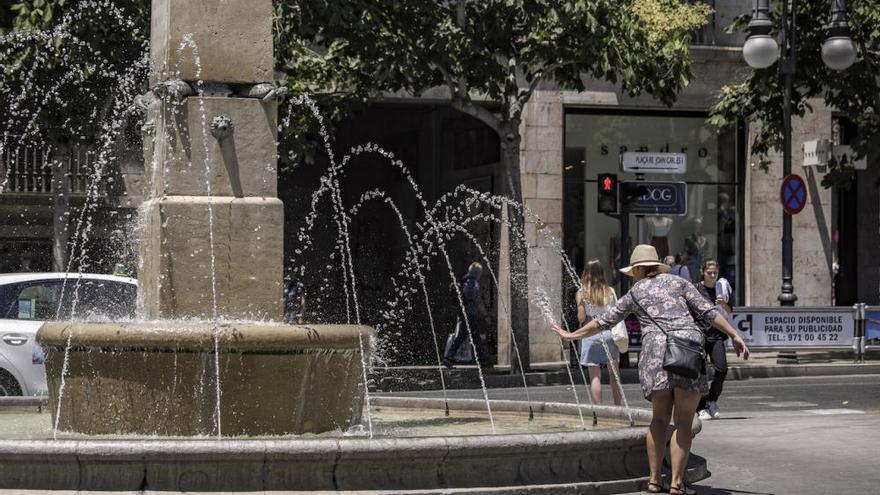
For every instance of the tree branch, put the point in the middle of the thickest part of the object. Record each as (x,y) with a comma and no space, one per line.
(478,112)
(461,101)
(525,95)
(450,82)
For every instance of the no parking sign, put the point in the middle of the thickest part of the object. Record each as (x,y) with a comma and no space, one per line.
(793,194)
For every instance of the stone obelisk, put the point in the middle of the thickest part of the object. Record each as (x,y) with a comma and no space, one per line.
(213,219)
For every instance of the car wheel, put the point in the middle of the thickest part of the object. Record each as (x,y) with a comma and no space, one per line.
(8,384)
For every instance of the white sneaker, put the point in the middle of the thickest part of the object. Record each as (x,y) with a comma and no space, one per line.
(704,415)
(713,410)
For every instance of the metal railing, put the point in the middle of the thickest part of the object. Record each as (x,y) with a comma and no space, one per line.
(867,318)
(30,170)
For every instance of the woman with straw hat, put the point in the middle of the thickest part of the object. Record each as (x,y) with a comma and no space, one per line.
(663,303)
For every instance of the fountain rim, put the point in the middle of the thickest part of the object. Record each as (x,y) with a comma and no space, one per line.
(195,335)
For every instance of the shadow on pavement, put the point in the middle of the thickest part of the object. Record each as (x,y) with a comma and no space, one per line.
(711,490)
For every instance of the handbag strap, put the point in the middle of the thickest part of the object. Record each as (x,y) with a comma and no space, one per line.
(635,300)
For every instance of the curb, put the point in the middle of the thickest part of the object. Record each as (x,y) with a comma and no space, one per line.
(408,379)
(746,372)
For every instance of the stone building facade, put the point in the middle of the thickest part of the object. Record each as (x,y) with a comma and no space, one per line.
(754,250)
(568,137)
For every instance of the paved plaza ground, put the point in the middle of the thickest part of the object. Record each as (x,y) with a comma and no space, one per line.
(780,436)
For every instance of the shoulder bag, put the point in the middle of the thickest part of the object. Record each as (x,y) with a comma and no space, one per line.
(683,357)
(619,333)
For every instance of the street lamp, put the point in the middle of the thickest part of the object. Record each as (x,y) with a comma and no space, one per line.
(838,51)
(759,50)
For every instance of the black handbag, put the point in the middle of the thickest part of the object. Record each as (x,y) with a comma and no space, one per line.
(683,357)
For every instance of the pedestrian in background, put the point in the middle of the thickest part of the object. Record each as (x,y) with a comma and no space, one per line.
(593,298)
(294,294)
(476,314)
(717,291)
(679,266)
(658,298)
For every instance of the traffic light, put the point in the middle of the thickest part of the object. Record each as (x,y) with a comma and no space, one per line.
(607,193)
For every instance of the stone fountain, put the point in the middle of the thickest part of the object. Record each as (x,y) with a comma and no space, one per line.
(208,389)
(211,248)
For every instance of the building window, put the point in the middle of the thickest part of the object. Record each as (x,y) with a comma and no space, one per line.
(594,142)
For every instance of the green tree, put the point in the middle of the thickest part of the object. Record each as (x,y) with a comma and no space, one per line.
(67,65)
(854,92)
(502,50)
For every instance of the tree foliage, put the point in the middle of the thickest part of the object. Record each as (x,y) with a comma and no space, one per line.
(64,59)
(65,64)
(854,92)
(502,49)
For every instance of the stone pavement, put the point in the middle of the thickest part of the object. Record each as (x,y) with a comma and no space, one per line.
(779,436)
(759,365)
(790,453)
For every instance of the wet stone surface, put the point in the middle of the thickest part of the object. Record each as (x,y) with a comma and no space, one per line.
(31,424)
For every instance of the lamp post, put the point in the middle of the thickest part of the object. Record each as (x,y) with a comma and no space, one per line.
(760,52)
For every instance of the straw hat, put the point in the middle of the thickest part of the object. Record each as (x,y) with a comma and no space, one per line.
(644,255)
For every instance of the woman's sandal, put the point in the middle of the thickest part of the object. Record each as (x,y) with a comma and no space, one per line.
(681,490)
(655,487)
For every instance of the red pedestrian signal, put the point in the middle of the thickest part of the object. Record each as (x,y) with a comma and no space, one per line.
(607,193)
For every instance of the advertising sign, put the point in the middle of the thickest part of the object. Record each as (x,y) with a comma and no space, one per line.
(872,327)
(661,198)
(795,327)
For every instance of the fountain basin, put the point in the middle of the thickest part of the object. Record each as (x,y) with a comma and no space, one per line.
(161,378)
(578,455)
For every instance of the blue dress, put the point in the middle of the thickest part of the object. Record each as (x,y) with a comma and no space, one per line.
(593,353)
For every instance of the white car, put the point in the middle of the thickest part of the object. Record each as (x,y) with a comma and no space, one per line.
(27,300)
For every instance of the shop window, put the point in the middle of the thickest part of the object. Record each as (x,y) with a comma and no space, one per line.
(709,229)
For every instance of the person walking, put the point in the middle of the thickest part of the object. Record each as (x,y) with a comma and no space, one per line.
(679,266)
(593,298)
(294,294)
(663,303)
(476,314)
(717,291)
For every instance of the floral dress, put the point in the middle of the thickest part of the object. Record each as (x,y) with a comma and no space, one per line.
(670,300)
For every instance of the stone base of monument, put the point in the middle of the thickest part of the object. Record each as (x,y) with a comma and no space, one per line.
(201,379)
